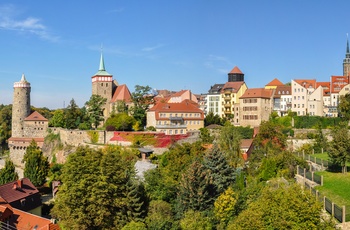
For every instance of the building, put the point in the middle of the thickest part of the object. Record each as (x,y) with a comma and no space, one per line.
(25,126)
(255,106)
(346,61)
(213,100)
(104,86)
(175,118)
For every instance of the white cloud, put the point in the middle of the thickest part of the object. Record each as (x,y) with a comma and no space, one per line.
(218,63)
(32,25)
(152,48)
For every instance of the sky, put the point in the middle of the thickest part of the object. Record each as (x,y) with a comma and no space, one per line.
(174,45)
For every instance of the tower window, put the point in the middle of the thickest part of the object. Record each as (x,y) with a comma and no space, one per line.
(101,84)
(106,84)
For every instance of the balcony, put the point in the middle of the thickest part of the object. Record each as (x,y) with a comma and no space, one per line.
(180,119)
(227,105)
(228,112)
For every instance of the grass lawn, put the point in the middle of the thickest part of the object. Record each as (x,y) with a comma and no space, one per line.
(336,187)
(323,156)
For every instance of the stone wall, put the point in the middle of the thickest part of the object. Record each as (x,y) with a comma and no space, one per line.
(35,128)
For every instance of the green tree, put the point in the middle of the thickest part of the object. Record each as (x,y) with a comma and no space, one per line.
(205,136)
(195,220)
(142,98)
(36,166)
(58,119)
(135,226)
(196,191)
(282,206)
(94,190)
(230,144)
(224,206)
(220,172)
(210,119)
(120,121)
(95,109)
(136,200)
(339,147)
(5,123)
(344,106)
(8,173)
(160,215)
(320,140)
(72,115)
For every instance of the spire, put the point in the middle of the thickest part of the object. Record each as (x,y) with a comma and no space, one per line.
(102,63)
(347,43)
(23,79)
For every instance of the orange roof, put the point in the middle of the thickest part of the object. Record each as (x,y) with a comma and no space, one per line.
(246,143)
(35,116)
(257,93)
(308,83)
(326,87)
(338,82)
(283,90)
(25,220)
(122,93)
(236,70)
(275,82)
(232,85)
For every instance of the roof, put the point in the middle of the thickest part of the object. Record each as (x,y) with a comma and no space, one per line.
(285,90)
(215,89)
(35,116)
(338,82)
(235,86)
(274,82)
(326,87)
(122,93)
(307,83)
(102,71)
(236,70)
(17,190)
(246,143)
(257,93)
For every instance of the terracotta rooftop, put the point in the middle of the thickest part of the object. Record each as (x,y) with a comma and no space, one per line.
(35,116)
(275,82)
(122,93)
(284,90)
(236,70)
(257,93)
(326,85)
(307,83)
(17,190)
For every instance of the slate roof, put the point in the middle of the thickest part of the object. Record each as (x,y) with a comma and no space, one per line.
(35,116)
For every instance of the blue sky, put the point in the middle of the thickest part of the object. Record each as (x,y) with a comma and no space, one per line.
(184,44)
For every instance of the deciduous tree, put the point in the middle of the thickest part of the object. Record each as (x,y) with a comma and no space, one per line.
(142,98)
(339,147)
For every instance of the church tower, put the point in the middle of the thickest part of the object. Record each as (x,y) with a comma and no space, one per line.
(346,62)
(235,75)
(20,106)
(102,84)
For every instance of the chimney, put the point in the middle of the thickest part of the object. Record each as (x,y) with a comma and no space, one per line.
(15,186)
(20,183)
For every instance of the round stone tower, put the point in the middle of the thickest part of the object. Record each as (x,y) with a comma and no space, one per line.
(20,106)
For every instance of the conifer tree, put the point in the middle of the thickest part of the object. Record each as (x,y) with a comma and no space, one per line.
(136,200)
(8,173)
(36,166)
(221,173)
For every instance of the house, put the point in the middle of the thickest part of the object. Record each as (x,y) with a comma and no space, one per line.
(175,118)
(282,100)
(230,94)
(22,195)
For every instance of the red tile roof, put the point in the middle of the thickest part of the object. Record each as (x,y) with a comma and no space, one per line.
(122,93)
(307,83)
(338,82)
(235,86)
(326,87)
(257,93)
(236,70)
(35,116)
(275,82)
(283,91)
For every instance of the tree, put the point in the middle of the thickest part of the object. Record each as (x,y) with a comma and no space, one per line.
(5,123)
(339,147)
(142,98)
(344,106)
(210,119)
(196,192)
(160,215)
(230,144)
(8,173)
(320,140)
(36,166)
(94,190)
(195,220)
(282,206)
(220,172)
(120,121)
(58,119)
(224,206)
(205,136)
(72,115)
(95,109)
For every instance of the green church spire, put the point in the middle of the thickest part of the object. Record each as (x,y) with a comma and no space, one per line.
(102,71)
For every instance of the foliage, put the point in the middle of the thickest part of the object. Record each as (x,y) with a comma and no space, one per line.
(5,123)
(320,140)
(93,136)
(95,109)
(136,200)
(8,173)
(121,107)
(120,121)
(46,112)
(72,115)
(196,191)
(36,166)
(134,226)
(142,98)
(159,216)
(205,136)
(289,207)
(224,205)
(344,106)
(58,119)
(94,194)
(221,174)
(307,122)
(210,119)
(339,147)
(195,220)
(230,144)
(245,132)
